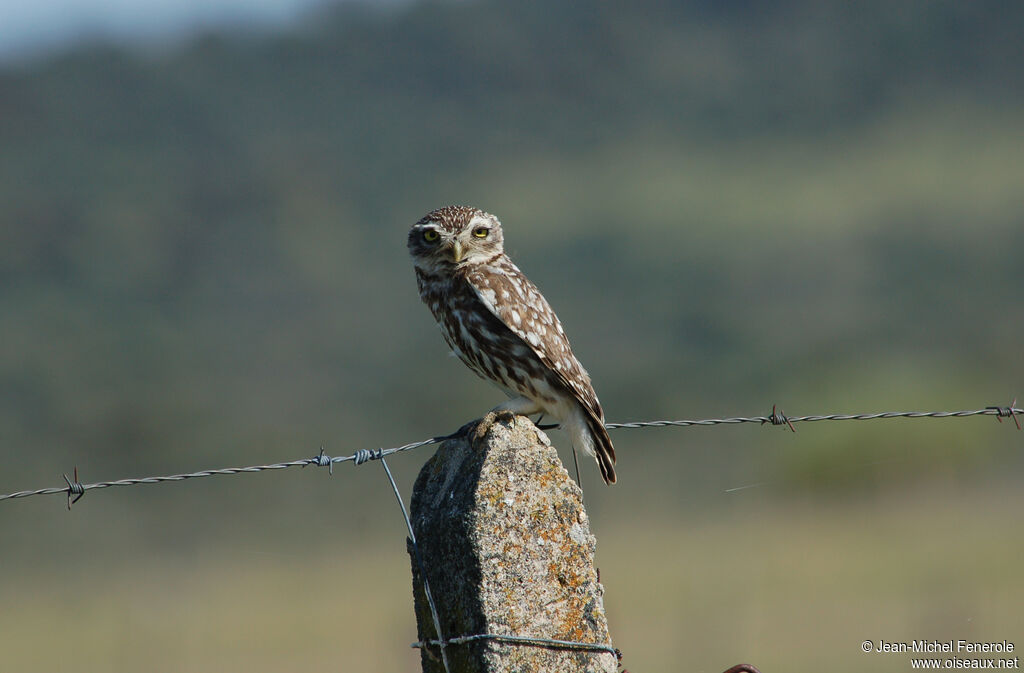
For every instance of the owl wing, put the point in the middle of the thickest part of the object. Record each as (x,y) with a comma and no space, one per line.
(518,304)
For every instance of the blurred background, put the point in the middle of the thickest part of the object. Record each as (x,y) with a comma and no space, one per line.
(203,213)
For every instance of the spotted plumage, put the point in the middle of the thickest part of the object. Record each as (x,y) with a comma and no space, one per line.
(498,323)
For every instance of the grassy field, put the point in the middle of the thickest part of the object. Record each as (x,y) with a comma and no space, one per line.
(789,586)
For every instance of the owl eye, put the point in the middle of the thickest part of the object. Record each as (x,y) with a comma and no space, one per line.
(431,235)
(481,232)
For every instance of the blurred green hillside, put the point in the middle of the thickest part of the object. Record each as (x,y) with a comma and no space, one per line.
(202,264)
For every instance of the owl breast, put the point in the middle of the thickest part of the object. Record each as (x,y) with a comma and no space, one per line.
(482,341)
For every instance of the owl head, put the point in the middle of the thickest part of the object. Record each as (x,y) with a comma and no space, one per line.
(454,236)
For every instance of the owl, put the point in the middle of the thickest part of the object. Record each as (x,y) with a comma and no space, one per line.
(500,325)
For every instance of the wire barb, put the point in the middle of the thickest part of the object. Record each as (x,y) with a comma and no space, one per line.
(365,455)
(1003,412)
(74,488)
(778,418)
(322,460)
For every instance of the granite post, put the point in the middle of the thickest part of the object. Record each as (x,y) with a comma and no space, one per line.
(506,547)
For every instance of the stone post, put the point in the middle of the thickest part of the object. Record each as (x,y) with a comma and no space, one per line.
(507,550)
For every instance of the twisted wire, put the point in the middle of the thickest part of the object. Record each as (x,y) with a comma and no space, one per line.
(761,420)
(75,490)
(358,458)
(526,640)
(423,569)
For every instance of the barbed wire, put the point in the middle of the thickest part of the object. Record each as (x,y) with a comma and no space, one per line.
(553,643)
(74,489)
(778,418)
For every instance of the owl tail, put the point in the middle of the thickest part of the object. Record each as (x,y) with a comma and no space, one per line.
(603,449)
(589,434)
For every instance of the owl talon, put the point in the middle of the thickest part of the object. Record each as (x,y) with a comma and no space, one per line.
(505,415)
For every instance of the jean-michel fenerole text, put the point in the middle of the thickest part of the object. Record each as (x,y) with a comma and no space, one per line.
(963,646)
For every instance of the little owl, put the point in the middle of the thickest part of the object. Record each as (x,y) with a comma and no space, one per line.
(500,325)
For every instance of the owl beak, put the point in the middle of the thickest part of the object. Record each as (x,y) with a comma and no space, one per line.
(456,252)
